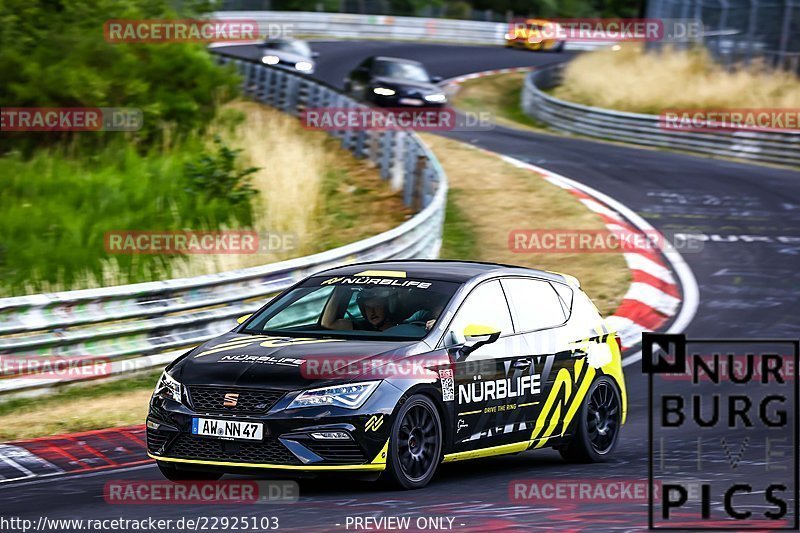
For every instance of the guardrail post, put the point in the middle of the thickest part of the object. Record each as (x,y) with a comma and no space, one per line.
(349,136)
(292,89)
(400,175)
(409,162)
(386,143)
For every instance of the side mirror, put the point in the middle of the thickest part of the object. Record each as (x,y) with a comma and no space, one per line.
(436,79)
(314,54)
(477,336)
(243,318)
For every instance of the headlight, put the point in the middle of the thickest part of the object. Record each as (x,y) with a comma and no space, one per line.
(383,91)
(303,66)
(350,396)
(436,98)
(168,387)
(270,60)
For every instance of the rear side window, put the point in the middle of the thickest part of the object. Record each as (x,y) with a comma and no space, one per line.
(535,304)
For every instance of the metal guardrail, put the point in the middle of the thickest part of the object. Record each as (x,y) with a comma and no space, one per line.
(636,128)
(384,27)
(133,327)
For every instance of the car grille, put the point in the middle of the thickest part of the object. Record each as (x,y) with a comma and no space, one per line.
(270,451)
(156,439)
(337,452)
(248,401)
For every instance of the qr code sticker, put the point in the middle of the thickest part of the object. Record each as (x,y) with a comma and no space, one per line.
(448,385)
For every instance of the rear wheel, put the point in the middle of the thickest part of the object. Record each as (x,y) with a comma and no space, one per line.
(173,474)
(415,445)
(597,425)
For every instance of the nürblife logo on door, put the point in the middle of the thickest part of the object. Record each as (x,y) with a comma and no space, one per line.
(480,390)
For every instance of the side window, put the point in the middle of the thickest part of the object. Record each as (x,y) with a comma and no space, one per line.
(535,304)
(485,306)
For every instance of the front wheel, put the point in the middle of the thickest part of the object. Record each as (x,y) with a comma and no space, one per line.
(173,474)
(597,426)
(415,446)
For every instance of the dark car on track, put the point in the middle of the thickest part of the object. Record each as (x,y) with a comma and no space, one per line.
(393,368)
(289,54)
(394,82)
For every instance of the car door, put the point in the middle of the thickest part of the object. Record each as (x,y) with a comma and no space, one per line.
(490,381)
(540,310)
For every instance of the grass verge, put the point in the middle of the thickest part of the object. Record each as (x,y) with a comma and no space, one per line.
(491,198)
(76,408)
(499,94)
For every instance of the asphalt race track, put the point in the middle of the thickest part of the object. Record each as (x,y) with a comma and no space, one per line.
(749,286)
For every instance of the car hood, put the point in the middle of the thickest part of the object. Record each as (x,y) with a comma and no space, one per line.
(403,84)
(287,363)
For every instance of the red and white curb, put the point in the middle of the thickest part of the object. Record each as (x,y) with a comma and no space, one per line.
(76,453)
(654,296)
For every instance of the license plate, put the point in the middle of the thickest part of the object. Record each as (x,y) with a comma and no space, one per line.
(410,101)
(228,429)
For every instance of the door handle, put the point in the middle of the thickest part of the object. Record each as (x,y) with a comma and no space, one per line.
(521,363)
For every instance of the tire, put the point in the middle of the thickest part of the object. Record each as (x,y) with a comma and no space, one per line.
(415,444)
(597,424)
(173,474)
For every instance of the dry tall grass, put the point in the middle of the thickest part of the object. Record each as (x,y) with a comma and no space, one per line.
(292,163)
(631,80)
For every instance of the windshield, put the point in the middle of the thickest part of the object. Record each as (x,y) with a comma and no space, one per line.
(294,47)
(356,307)
(405,71)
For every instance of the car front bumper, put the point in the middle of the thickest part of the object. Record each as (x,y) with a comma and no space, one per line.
(286,444)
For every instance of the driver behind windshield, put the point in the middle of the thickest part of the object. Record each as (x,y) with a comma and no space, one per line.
(377,306)
(380,310)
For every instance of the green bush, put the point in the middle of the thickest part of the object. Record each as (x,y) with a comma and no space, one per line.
(53,53)
(216,176)
(55,211)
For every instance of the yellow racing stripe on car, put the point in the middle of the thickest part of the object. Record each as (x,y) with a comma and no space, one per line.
(487,452)
(353,468)
(380,459)
(382,274)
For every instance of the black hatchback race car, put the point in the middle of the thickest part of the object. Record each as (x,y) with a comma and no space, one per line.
(394,82)
(393,368)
